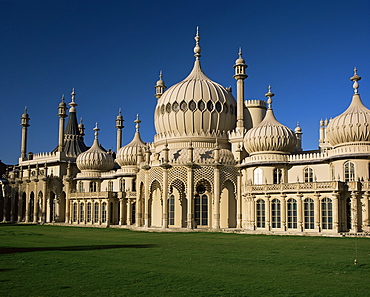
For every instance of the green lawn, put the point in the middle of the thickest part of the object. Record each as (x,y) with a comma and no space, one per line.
(66,261)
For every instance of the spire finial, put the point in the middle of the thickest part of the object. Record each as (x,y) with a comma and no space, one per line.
(137,121)
(355,78)
(240,52)
(73,104)
(269,95)
(63,98)
(96,129)
(197,49)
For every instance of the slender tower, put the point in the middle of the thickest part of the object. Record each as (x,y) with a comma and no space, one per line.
(159,87)
(25,124)
(119,126)
(240,76)
(62,108)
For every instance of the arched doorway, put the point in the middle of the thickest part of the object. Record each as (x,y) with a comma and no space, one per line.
(228,206)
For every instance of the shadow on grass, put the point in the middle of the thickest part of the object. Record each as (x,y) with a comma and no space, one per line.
(12,250)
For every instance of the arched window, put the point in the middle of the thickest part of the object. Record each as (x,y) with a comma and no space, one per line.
(89,212)
(96,212)
(80,187)
(309,217)
(133,185)
(308,175)
(75,212)
(122,185)
(327,213)
(260,212)
(275,213)
(133,213)
(110,186)
(104,212)
(349,171)
(201,210)
(257,174)
(278,174)
(81,212)
(292,214)
(171,210)
(93,186)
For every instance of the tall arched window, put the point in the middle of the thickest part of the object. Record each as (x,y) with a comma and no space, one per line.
(75,212)
(308,175)
(89,212)
(260,212)
(275,214)
(81,212)
(201,209)
(110,186)
(104,212)
(327,213)
(96,212)
(93,186)
(292,214)
(349,171)
(122,185)
(278,174)
(309,216)
(171,210)
(80,187)
(257,174)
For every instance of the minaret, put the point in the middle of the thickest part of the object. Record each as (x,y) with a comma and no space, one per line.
(62,108)
(81,128)
(119,126)
(159,87)
(240,76)
(298,134)
(25,124)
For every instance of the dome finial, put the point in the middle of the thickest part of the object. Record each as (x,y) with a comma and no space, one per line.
(137,121)
(240,52)
(197,49)
(96,129)
(269,95)
(355,78)
(73,104)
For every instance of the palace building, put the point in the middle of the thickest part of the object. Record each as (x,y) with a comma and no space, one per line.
(216,163)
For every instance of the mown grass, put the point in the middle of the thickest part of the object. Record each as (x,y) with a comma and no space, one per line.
(66,261)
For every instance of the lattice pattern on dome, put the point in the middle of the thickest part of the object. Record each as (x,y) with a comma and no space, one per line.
(156,174)
(204,173)
(229,173)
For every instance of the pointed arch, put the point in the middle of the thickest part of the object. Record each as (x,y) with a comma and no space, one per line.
(228,205)
(177,204)
(155,205)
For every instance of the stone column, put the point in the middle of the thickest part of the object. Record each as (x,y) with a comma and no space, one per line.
(354,212)
(365,212)
(283,212)
(216,193)
(12,206)
(299,212)
(317,214)
(239,200)
(267,212)
(44,200)
(190,197)
(146,200)
(165,199)
(27,218)
(252,212)
(121,211)
(100,212)
(108,213)
(335,199)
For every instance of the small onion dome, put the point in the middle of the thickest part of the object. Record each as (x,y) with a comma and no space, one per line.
(270,135)
(353,124)
(95,158)
(298,129)
(127,155)
(240,60)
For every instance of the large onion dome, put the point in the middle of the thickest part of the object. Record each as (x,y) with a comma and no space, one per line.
(128,154)
(195,107)
(270,135)
(353,124)
(95,158)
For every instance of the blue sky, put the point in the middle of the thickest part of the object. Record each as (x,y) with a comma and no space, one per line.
(111,52)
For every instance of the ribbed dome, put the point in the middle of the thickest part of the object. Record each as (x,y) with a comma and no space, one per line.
(127,155)
(351,126)
(270,136)
(196,106)
(95,159)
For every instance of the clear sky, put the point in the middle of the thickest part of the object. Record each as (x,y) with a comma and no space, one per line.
(111,52)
